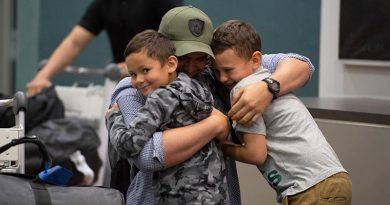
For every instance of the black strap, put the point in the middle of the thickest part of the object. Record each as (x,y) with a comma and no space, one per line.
(46,159)
(41,194)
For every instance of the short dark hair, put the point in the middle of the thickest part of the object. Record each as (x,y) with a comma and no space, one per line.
(237,35)
(155,44)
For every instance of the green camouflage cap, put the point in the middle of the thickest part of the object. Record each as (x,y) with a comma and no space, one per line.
(189,28)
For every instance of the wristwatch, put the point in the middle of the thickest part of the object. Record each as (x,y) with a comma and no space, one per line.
(273,87)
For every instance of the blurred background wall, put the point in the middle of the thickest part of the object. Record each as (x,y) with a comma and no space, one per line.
(285,26)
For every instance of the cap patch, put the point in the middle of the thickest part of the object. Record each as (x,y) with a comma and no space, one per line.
(196,27)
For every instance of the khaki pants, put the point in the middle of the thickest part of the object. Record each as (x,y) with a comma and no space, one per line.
(336,189)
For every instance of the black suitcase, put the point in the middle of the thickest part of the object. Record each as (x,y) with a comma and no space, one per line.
(23,189)
(18,188)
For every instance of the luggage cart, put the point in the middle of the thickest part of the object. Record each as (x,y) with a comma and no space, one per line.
(90,103)
(12,160)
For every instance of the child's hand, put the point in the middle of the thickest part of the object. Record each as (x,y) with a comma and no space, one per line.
(224,127)
(114,108)
(110,116)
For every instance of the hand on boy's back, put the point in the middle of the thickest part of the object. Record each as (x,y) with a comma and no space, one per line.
(249,103)
(224,122)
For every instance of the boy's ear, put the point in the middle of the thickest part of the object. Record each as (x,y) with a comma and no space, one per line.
(172,64)
(256,59)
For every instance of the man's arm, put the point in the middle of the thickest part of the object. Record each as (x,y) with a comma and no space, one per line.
(175,146)
(182,143)
(65,53)
(291,70)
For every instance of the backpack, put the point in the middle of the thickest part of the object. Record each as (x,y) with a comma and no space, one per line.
(40,108)
(62,138)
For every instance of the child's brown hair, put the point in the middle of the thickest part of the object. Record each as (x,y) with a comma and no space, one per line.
(237,35)
(156,45)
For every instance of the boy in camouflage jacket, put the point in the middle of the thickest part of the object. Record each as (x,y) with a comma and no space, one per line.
(173,100)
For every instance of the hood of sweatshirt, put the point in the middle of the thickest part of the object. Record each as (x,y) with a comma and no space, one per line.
(196,100)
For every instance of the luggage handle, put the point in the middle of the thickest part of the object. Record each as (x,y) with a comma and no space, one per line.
(19,102)
(46,161)
(111,71)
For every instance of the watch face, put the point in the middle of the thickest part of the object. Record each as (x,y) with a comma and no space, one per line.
(275,86)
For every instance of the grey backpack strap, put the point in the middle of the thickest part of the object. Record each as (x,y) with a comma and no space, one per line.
(41,194)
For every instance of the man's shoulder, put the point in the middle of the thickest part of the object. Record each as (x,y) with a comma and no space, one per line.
(125,82)
(124,87)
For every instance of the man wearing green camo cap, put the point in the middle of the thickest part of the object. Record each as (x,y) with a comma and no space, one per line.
(190,29)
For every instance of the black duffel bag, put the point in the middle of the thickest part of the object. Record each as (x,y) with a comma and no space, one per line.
(62,137)
(22,189)
(44,106)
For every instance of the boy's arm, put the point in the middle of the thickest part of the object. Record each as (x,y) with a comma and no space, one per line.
(253,151)
(151,157)
(291,70)
(129,142)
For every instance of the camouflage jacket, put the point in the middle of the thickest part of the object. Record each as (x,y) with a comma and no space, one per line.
(200,179)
